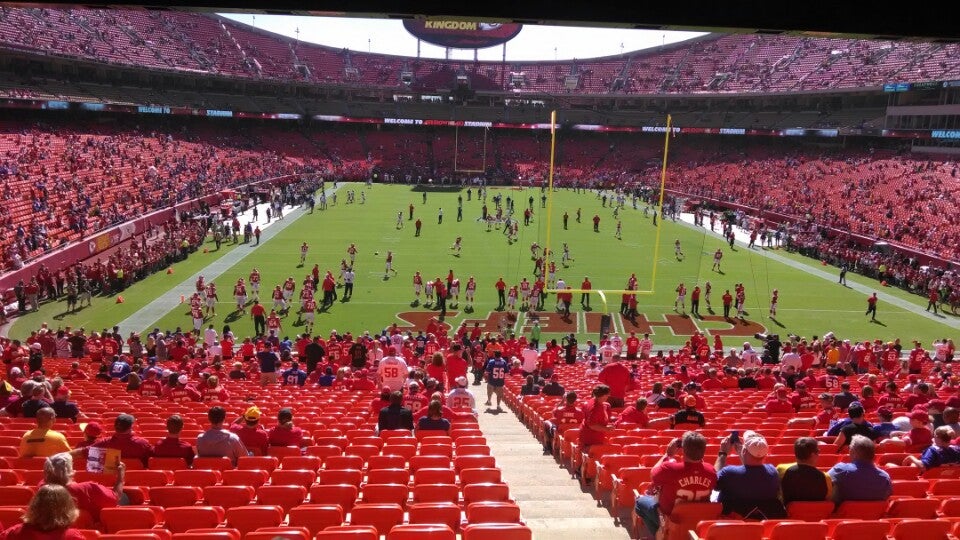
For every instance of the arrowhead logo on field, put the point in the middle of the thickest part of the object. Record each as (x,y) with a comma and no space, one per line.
(589,323)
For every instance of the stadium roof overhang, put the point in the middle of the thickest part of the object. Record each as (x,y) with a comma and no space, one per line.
(851,18)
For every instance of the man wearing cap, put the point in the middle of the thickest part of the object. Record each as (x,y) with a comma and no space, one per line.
(43,441)
(173,446)
(861,479)
(689,415)
(858,426)
(64,408)
(247,428)
(460,397)
(803,481)
(91,434)
(182,392)
(217,441)
(750,490)
(123,439)
(780,403)
(675,479)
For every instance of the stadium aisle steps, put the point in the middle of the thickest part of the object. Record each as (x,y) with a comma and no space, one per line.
(551,503)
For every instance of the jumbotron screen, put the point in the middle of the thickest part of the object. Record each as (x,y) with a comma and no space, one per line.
(462,34)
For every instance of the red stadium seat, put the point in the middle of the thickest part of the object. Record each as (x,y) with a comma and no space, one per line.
(285,497)
(382,517)
(249,477)
(446,513)
(421,532)
(349,532)
(497,531)
(194,477)
(183,518)
(213,463)
(284,533)
(316,517)
(344,495)
(386,493)
(263,463)
(167,496)
(228,497)
(250,518)
(926,529)
(130,517)
(493,512)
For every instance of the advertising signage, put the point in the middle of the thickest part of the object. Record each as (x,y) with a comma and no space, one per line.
(462,34)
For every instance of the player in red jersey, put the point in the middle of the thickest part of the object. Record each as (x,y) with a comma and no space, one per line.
(289,286)
(454,292)
(255,283)
(512,298)
(773,303)
(309,309)
(240,295)
(717,256)
(199,284)
(197,314)
(388,266)
(211,298)
(417,287)
(273,323)
(632,283)
(352,252)
(525,290)
(471,290)
(681,300)
(277,296)
(303,253)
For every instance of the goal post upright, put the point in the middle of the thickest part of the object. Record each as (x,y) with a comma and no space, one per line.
(553,146)
(659,209)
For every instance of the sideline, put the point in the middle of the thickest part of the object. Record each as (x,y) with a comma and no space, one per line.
(743,238)
(159,307)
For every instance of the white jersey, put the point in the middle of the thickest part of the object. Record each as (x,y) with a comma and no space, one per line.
(210,336)
(607,353)
(530,358)
(393,372)
(460,398)
(617,343)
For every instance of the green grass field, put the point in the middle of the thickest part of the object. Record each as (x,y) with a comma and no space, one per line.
(808,304)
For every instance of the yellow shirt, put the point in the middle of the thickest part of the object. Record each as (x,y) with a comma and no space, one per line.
(833,356)
(43,443)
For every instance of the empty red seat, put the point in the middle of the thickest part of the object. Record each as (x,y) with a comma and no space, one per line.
(285,533)
(493,512)
(263,463)
(386,493)
(497,531)
(382,517)
(421,532)
(485,492)
(344,495)
(250,518)
(446,513)
(16,495)
(213,463)
(293,477)
(147,478)
(349,532)
(228,496)
(183,518)
(167,496)
(316,517)
(196,477)
(308,463)
(248,477)
(285,497)
(130,517)
(925,529)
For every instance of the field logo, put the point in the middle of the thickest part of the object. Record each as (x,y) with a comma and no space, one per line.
(588,323)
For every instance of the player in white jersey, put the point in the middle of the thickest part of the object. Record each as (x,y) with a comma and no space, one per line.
(303,253)
(456,247)
(429,292)
(617,234)
(566,255)
(460,397)
(400,219)
(309,309)
(676,249)
(393,372)
(512,298)
(455,292)
(707,287)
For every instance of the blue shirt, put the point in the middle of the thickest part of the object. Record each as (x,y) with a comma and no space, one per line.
(268,361)
(119,369)
(742,489)
(326,380)
(496,369)
(293,377)
(883,429)
(860,481)
(934,456)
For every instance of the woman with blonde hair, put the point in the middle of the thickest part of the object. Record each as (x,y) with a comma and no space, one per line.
(49,517)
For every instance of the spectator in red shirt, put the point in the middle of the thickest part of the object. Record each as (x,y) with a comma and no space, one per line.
(91,433)
(780,404)
(618,379)
(285,433)
(596,418)
(565,416)
(123,439)
(253,437)
(172,445)
(674,480)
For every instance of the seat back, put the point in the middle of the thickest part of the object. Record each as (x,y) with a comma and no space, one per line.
(685,517)
(382,517)
(485,492)
(493,512)
(421,532)
(167,496)
(866,510)
(386,493)
(228,496)
(130,517)
(798,531)
(479,475)
(316,517)
(924,529)
(286,533)
(349,532)
(247,477)
(285,497)
(810,510)
(180,519)
(293,477)
(861,530)
(733,531)
(196,477)
(913,508)
(497,531)
(250,518)
(341,494)
(213,463)
(447,513)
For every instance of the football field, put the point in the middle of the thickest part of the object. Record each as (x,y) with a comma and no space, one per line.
(809,304)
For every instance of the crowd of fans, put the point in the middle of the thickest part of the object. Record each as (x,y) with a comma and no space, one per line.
(721,63)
